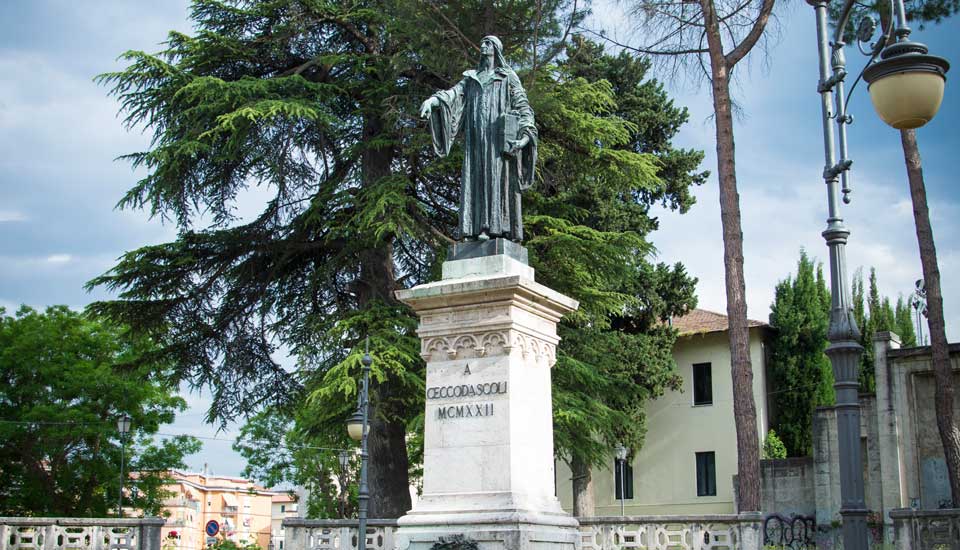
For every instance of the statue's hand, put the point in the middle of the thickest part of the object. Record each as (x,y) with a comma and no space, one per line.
(516,145)
(428,106)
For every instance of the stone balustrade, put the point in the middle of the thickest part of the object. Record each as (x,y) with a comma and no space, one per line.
(336,534)
(704,532)
(926,529)
(707,532)
(80,533)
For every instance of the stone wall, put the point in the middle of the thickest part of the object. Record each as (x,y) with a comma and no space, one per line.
(913,465)
(787,487)
(826,460)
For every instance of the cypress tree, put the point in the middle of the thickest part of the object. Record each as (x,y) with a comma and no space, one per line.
(903,320)
(801,375)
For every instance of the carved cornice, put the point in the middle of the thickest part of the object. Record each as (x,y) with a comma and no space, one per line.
(487,344)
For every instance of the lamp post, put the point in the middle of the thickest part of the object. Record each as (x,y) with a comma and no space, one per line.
(906,87)
(123,426)
(621,462)
(358,428)
(344,458)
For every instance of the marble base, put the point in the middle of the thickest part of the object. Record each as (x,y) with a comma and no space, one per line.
(488,335)
(515,536)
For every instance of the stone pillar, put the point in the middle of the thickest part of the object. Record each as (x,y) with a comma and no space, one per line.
(150,533)
(488,335)
(903,528)
(826,466)
(751,530)
(888,431)
(295,533)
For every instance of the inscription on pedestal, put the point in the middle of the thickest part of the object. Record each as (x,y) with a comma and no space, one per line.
(466,410)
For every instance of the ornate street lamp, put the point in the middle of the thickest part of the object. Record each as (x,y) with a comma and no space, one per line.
(906,86)
(621,463)
(358,428)
(123,426)
(344,458)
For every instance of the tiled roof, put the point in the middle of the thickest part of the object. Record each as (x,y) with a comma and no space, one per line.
(701,321)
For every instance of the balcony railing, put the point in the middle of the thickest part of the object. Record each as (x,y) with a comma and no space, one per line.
(707,532)
(80,533)
(182,503)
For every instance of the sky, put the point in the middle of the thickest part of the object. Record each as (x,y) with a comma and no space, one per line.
(60,182)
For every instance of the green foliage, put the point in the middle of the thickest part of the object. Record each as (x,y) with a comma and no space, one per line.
(227,544)
(773,447)
(877,316)
(800,373)
(903,321)
(278,453)
(65,379)
(316,104)
(918,12)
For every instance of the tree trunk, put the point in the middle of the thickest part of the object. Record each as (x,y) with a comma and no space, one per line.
(943,395)
(583,501)
(489,18)
(388,475)
(744,409)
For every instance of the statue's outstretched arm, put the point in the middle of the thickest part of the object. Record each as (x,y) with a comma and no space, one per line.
(444,111)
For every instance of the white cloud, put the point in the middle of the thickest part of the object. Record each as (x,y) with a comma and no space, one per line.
(58,258)
(12,216)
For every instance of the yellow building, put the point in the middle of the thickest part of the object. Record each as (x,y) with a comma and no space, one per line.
(284,506)
(243,510)
(689,457)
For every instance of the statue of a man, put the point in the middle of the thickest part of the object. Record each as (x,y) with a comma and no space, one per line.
(491,107)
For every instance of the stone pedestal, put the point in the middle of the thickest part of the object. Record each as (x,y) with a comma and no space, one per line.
(488,334)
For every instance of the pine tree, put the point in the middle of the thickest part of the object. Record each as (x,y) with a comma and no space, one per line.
(800,372)
(713,37)
(316,102)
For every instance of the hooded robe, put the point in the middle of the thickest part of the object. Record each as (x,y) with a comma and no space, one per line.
(491,181)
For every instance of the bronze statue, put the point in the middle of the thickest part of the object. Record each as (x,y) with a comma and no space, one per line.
(491,107)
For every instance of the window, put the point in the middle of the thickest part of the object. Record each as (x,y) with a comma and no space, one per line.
(706,474)
(702,384)
(625,485)
(283,508)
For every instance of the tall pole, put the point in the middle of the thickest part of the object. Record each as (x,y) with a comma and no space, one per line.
(364,494)
(123,458)
(623,485)
(844,350)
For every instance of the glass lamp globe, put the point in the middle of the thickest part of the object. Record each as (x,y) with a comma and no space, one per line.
(906,85)
(621,452)
(123,424)
(355,426)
